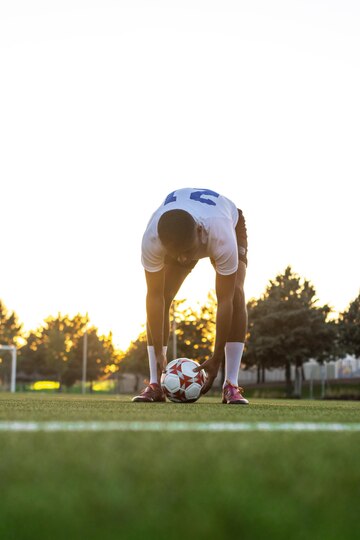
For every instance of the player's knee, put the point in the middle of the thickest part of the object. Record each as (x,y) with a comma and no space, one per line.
(239,294)
(239,289)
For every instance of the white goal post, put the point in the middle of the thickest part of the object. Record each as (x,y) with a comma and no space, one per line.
(13,350)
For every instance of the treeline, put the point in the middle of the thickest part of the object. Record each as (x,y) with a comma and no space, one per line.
(55,350)
(287,327)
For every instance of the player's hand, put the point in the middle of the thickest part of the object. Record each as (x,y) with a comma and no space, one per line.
(211,368)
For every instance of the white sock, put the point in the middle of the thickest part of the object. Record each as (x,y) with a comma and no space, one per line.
(152,363)
(233,354)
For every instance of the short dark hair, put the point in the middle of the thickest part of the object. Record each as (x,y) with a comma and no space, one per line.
(176,229)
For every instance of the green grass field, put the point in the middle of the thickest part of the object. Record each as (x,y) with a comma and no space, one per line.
(136,485)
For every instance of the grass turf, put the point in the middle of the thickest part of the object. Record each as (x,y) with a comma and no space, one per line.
(173,485)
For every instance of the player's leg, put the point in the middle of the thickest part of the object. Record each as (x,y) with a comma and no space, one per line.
(239,320)
(234,347)
(175,273)
(174,278)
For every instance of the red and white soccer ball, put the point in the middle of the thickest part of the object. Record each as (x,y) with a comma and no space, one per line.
(179,381)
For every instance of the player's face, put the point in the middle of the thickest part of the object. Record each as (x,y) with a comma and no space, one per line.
(189,253)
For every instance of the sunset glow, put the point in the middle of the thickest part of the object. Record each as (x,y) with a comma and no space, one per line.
(109,106)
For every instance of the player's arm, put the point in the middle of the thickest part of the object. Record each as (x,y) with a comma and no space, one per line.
(155,312)
(225,286)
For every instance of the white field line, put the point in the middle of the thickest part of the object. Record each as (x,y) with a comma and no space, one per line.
(176,426)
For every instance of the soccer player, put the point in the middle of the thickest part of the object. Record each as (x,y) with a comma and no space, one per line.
(189,225)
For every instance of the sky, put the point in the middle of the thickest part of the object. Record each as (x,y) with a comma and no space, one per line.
(107,106)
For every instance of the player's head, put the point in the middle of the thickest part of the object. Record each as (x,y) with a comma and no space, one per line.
(177,231)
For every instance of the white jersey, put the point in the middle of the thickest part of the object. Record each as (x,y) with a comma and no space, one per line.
(215,213)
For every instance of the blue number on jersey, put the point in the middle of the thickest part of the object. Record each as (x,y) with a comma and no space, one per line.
(195,196)
(198,196)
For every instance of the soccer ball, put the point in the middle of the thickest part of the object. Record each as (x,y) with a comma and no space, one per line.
(180,383)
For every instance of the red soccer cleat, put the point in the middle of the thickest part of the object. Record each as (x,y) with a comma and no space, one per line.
(231,395)
(152,393)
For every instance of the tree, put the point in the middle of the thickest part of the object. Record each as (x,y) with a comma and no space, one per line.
(195,329)
(257,353)
(135,358)
(349,328)
(32,363)
(10,328)
(288,328)
(100,355)
(56,350)
(50,347)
